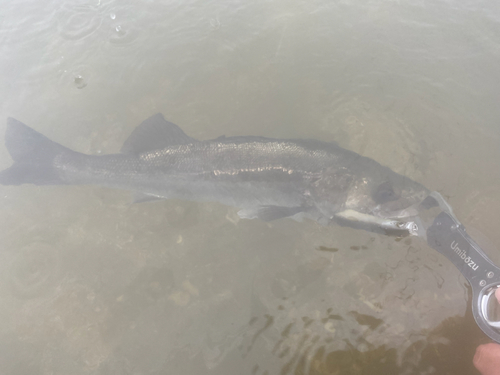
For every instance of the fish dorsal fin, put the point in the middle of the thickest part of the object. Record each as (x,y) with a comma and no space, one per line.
(155,133)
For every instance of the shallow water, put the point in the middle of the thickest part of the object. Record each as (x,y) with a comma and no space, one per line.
(91,284)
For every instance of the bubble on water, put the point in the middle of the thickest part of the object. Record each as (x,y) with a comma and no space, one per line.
(215,23)
(75,76)
(124,33)
(80,82)
(122,26)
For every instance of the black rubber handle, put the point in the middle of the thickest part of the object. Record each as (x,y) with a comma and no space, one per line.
(448,236)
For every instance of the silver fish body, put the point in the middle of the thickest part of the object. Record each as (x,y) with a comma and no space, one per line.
(266,178)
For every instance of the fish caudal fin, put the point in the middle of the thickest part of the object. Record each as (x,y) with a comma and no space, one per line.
(33,156)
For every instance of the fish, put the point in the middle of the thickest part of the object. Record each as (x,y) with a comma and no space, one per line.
(266,178)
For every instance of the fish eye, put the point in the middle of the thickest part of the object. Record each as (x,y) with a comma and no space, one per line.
(385,193)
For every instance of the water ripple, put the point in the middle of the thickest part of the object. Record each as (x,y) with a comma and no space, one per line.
(79,25)
(34,271)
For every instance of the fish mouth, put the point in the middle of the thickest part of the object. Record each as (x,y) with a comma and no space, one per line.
(395,223)
(399,222)
(401,209)
(407,212)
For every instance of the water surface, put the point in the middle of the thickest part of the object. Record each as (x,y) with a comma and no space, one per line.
(92,284)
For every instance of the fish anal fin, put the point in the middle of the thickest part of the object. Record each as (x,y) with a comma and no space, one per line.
(269,213)
(155,133)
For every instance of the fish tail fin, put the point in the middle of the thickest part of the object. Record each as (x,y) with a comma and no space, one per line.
(33,155)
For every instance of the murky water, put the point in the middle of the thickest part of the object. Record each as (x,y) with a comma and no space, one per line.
(91,284)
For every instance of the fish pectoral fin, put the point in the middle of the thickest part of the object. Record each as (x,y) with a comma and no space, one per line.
(269,213)
(142,197)
(155,133)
